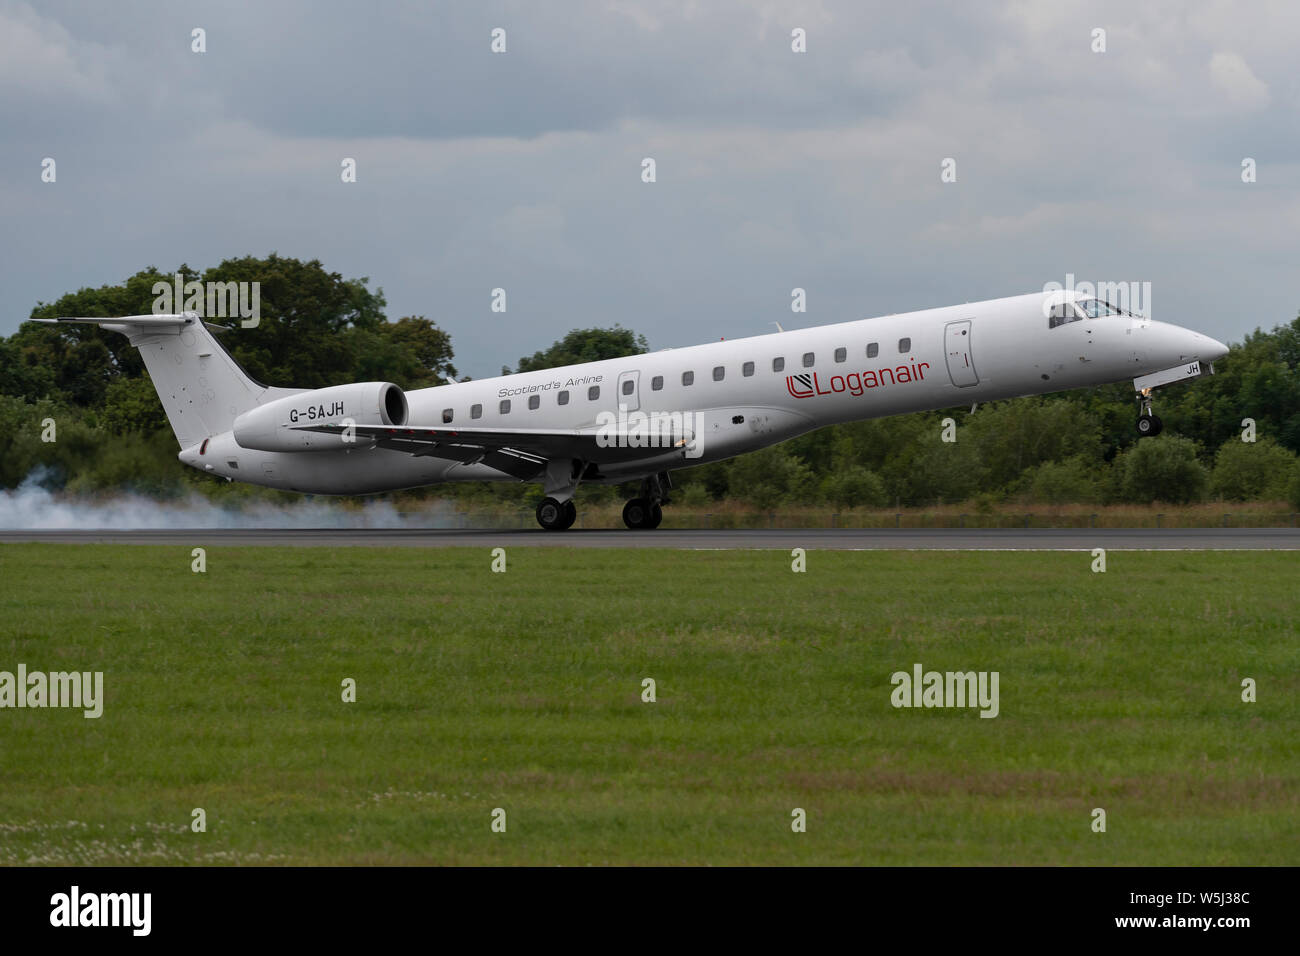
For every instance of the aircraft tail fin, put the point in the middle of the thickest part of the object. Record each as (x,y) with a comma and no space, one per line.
(201,387)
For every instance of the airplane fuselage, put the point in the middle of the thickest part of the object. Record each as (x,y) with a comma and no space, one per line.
(745,394)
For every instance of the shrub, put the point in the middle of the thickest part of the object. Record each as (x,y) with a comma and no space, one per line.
(854,487)
(769,477)
(1161,469)
(1244,471)
(1059,482)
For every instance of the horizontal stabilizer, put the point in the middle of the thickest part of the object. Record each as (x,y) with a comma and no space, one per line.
(158,321)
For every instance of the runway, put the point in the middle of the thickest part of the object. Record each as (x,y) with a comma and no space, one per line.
(837,539)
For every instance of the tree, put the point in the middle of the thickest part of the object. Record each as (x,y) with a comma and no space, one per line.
(22,373)
(132,405)
(306,312)
(427,345)
(585,345)
(315,328)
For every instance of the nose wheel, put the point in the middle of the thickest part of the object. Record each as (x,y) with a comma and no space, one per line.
(1148,424)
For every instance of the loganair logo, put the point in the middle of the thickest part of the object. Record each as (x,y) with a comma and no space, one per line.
(808,384)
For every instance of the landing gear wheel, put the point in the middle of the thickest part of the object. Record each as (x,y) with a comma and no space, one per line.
(1149,426)
(555,515)
(638,513)
(656,516)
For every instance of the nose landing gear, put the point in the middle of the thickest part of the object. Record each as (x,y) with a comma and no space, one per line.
(1148,425)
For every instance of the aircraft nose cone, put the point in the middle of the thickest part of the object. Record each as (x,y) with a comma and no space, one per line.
(1173,344)
(1217,349)
(1203,348)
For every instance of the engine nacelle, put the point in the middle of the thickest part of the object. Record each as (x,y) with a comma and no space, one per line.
(274,426)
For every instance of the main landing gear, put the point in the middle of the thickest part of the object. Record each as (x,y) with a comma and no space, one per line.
(642,513)
(557,512)
(1148,425)
(556,515)
(645,512)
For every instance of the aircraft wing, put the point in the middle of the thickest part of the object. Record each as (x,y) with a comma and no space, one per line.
(521,452)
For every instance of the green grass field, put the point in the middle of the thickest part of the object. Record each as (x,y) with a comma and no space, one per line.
(522,691)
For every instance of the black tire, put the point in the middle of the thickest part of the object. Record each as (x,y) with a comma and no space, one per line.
(1146,425)
(1159,425)
(656,516)
(636,513)
(570,514)
(551,515)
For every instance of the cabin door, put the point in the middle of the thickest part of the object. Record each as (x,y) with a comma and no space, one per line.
(961,366)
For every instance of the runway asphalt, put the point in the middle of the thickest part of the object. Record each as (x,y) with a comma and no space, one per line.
(843,539)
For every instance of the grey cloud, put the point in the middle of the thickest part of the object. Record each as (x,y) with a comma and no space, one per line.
(775,169)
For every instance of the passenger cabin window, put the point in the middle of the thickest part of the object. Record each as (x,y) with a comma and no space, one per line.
(808,359)
(446,416)
(476,411)
(534,401)
(562,398)
(688,378)
(904,345)
(1062,312)
(778,365)
(719,373)
(628,386)
(841,354)
(747,369)
(504,407)
(657,383)
(873,350)
(593,393)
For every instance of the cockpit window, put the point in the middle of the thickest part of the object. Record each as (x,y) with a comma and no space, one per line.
(1097,308)
(1062,313)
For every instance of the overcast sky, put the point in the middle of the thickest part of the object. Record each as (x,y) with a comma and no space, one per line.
(775,169)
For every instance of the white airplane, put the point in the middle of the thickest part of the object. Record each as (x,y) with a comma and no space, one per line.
(640,417)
